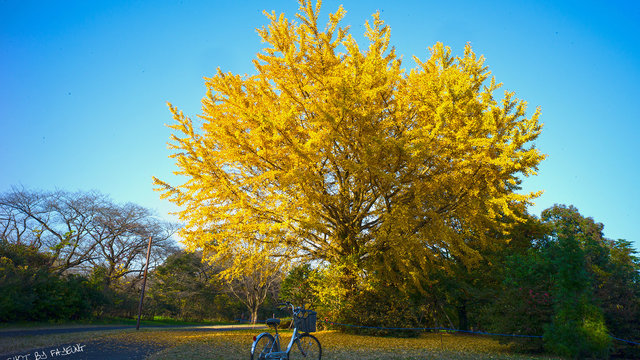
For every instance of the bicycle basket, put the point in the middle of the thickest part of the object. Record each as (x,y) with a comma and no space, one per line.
(306,322)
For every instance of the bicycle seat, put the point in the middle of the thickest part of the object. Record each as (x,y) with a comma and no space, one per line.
(273,322)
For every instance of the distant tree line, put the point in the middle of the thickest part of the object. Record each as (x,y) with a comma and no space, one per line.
(59,245)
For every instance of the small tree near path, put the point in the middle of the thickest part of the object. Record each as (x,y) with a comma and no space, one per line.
(252,275)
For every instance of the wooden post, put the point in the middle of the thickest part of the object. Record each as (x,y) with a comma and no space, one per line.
(144,283)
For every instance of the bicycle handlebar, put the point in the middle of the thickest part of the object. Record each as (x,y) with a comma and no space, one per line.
(294,310)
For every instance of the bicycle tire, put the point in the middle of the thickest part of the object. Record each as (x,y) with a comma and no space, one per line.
(306,346)
(262,346)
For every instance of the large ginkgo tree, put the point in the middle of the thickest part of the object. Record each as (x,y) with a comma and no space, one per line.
(336,153)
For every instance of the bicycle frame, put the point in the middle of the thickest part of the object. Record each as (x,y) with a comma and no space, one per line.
(276,352)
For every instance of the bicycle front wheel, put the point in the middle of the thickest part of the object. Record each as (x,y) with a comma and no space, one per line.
(264,344)
(306,347)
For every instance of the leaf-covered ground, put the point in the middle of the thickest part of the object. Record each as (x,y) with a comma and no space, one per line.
(335,345)
(229,345)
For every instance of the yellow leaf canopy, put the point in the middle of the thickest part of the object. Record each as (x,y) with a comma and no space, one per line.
(335,152)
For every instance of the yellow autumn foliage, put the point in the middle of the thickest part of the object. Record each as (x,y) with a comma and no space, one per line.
(332,151)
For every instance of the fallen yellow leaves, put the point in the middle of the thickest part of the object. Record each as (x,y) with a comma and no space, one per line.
(231,345)
(336,345)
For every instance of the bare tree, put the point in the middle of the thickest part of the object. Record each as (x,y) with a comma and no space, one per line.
(120,235)
(83,230)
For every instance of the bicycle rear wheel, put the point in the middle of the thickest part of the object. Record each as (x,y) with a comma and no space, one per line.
(263,345)
(306,347)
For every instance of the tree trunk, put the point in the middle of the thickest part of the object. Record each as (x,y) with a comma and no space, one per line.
(463,320)
(254,314)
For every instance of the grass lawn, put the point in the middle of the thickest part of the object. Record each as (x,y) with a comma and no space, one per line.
(187,344)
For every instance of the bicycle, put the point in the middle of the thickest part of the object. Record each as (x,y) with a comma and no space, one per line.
(302,344)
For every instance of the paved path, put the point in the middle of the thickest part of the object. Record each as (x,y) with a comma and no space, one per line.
(108,349)
(89,350)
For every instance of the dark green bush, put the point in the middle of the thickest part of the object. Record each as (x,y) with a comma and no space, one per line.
(31,292)
(383,307)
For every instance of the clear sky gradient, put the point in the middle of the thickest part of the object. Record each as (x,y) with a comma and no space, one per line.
(84,86)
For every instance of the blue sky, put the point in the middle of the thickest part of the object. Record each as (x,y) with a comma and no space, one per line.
(84,86)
